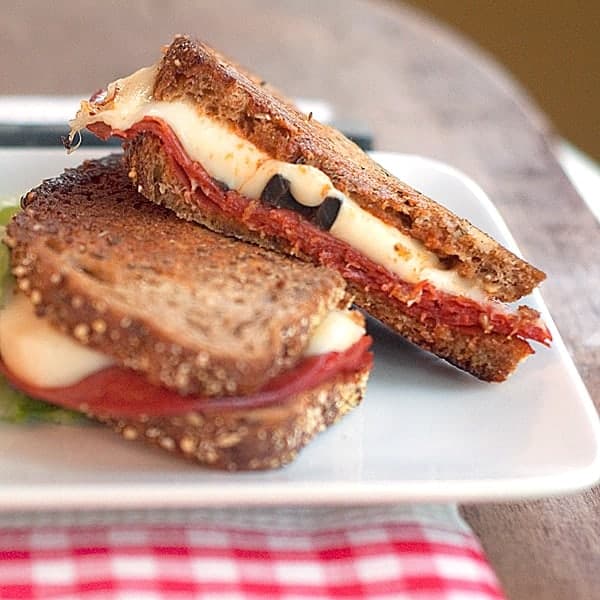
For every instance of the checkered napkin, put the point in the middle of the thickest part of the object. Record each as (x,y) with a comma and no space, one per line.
(291,554)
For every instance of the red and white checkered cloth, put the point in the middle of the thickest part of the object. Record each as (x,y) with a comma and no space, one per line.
(404,560)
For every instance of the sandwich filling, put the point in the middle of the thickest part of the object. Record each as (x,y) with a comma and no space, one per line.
(48,364)
(239,165)
(228,173)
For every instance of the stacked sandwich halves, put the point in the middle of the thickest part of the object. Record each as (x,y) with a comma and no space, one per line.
(233,354)
(215,145)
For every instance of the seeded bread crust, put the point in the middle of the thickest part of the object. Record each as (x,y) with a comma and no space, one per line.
(193,311)
(488,356)
(238,440)
(190,69)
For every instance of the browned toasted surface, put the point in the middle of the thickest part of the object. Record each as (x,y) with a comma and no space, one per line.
(488,356)
(192,310)
(192,69)
(491,357)
(264,438)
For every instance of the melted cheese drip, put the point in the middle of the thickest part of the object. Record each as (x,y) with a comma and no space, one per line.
(247,169)
(39,354)
(337,332)
(42,356)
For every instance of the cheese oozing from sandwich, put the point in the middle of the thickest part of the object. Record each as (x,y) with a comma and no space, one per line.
(38,353)
(42,356)
(243,167)
(337,332)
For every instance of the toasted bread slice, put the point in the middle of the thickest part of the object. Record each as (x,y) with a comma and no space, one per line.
(488,356)
(191,310)
(260,438)
(207,140)
(224,435)
(229,95)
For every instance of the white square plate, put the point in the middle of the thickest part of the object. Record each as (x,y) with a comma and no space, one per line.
(425,432)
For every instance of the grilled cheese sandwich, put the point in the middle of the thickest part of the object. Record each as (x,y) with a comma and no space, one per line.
(207,140)
(241,166)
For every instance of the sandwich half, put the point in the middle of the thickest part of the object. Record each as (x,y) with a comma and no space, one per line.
(216,145)
(222,351)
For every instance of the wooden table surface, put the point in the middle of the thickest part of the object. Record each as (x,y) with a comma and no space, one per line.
(421,90)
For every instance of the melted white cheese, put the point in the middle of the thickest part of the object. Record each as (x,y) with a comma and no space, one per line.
(247,169)
(225,155)
(39,354)
(43,356)
(336,333)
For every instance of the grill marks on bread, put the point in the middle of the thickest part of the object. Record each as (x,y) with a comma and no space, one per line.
(236,98)
(192,310)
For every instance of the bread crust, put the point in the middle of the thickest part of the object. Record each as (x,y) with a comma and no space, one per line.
(190,69)
(193,311)
(488,356)
(238,440)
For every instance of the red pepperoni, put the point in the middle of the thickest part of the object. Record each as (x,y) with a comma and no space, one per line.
(421,300)
(119,392)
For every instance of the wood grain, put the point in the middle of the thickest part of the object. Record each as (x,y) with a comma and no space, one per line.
(422,90)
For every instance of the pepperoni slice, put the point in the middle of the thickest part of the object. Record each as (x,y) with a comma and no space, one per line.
(420,300)
(119,392)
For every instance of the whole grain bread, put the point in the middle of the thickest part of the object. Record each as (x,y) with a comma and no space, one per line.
(232,96)
(261,438)
(193,311)
(488,356)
